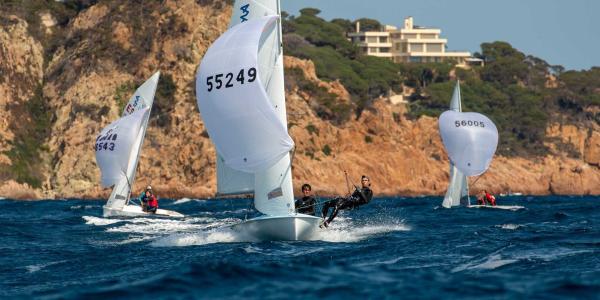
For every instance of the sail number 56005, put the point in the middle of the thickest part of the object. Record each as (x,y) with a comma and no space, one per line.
(219,81)
(459,123)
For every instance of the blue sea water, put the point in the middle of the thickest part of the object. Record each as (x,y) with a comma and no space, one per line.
(392,248)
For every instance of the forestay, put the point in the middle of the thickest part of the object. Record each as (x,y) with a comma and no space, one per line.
(234,103)
(114,146)
(470,140)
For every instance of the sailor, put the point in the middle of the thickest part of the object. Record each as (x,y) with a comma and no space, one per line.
(360,197)
(149,201)
(489,198)
(306,204)
(481,198)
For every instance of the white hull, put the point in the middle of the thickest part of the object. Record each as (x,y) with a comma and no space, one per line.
(298,227)
(507,207)
(136,211)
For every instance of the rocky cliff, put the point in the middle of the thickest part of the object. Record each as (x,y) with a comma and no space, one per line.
(55,99)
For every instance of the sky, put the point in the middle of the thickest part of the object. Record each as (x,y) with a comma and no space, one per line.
(563,33)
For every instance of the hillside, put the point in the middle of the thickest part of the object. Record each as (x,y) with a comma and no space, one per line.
(66,71)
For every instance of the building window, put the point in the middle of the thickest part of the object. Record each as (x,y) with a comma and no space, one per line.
(371,39)
(395,35)
(415,59)
(416,47)
(427,35)
(383,39)
(384,50)
(410,36)
(373,50)
(362,38)
(434,47)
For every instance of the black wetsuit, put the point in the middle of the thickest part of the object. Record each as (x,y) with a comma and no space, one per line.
(306,205)
(358,198)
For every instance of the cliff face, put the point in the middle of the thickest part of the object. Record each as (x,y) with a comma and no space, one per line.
(113,46)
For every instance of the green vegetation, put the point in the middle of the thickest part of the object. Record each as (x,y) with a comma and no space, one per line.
(512,88)
(312,129)
(164,101)
(30,133)
(123,92)
(326,150)
(310,37)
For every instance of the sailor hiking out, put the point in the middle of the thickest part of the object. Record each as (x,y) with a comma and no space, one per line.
(360,196)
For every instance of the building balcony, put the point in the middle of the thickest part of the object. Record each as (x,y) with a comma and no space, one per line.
(378,45)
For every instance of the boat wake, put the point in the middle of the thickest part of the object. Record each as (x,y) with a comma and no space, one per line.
(344,231)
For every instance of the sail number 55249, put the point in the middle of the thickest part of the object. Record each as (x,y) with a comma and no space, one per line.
(459,123)
(219,81)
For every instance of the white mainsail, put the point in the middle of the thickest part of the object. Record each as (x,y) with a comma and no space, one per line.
(458,186)
(118,166)
(241,98)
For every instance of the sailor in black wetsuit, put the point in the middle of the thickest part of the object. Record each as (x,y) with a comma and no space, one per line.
(359,197)
(306,204)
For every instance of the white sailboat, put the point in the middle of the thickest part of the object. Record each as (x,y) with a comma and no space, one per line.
(240,93)
(470,140)
(458,188)
(118,150)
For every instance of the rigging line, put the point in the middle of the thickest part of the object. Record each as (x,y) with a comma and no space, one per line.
(129,185)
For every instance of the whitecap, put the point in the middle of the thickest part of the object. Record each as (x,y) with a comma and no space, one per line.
(510,226)
(91,220)
(343,231)
(220,235)
(186,200)
(35,268)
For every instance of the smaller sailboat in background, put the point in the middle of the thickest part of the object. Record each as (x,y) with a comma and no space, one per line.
(470,139)
(118,150)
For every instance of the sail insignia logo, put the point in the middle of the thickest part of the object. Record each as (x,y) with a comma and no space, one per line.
(245,13)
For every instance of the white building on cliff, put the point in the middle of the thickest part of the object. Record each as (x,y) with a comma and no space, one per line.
(410,43)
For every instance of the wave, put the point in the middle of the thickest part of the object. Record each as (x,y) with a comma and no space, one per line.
(491,262)
(342,231)
(38,267)
(82,207)
(510,226)
(91,220)
(219,235)
(186,200)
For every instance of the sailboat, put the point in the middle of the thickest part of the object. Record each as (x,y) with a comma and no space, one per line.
(458,188)
(240,95)
(470,139)
(118,150)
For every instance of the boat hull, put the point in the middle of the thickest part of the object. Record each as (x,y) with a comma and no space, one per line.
(136,211)
(298,227)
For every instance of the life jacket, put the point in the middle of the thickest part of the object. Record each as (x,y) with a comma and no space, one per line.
(152,202)
(490,199)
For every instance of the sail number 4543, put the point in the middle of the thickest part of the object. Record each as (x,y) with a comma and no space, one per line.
(459,123)
(219,81)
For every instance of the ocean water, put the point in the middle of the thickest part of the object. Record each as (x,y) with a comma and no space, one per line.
(392,248)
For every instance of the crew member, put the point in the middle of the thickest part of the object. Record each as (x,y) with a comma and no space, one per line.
(489,198)
(149,201)
(360,197)
(306,204)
